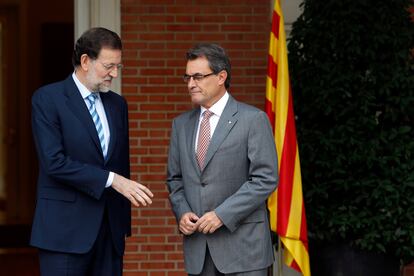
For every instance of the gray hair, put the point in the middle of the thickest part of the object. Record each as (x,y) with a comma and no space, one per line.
(216,56)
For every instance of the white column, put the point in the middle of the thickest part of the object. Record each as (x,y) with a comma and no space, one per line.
(291,12)
(99,13)
(82,17)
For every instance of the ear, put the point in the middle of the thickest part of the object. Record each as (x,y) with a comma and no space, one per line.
(84,62)
(222,77)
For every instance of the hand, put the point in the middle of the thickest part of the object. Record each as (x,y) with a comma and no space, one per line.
(209,223)
(188,223)
(133,191)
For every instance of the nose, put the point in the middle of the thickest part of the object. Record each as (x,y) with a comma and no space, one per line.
(114,72)
(191,83)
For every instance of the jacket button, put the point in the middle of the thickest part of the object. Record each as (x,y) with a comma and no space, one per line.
(203,184)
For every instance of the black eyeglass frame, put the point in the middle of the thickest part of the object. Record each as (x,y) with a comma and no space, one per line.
(196,77)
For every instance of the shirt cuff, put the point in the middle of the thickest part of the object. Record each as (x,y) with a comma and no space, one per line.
(110,179)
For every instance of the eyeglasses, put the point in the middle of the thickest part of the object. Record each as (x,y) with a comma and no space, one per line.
(110,67)
(196,77)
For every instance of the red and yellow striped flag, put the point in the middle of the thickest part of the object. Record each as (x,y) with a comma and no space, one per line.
(286,206)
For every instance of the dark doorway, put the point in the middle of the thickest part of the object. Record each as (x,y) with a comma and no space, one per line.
(57,41)
(9,115)
(36,42)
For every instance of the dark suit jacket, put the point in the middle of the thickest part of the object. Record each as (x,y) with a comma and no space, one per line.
(71,193)
(240,173)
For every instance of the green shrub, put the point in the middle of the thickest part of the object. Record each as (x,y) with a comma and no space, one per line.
(352,78)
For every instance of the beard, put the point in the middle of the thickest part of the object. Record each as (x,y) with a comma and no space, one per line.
(103,88)
(96,84)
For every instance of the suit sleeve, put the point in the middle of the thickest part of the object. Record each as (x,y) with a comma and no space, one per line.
(262,179)
(175,186)
(54,161)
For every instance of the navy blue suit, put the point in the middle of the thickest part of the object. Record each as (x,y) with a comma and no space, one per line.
(71,197)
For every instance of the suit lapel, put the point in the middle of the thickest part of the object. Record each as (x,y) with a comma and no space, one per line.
(226,122)
(77,105)
(191,133)
(110,115)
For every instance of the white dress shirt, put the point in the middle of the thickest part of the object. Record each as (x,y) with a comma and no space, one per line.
(217,110)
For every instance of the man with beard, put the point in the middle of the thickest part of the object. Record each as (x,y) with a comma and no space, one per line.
(80,129)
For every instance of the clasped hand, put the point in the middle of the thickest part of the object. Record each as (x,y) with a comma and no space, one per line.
(135,192)
(208,223)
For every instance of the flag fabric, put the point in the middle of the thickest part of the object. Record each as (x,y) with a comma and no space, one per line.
(286,206)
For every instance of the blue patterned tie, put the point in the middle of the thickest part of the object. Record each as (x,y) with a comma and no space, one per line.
(92,109)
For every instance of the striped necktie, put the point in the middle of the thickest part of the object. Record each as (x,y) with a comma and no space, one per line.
(204,136)
(92,109)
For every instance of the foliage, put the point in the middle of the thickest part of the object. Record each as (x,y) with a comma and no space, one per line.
(353,84)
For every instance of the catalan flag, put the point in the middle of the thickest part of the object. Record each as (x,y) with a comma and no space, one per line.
(286,206)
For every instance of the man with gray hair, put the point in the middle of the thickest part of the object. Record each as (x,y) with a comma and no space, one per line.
(222,166)
(80,129)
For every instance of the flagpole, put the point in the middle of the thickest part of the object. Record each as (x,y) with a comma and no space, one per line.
(280,261)
(279,255)
(279,242)
(279,258)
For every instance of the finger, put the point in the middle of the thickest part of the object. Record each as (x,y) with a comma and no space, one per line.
(185,231)
(133,200)
(187,222)
(144,194)
(183,221)
(193,218)
(202,226)
(196,224)
(190,228)
(144,197)
(141,199)
(212,229)
(206,229)
(146,190)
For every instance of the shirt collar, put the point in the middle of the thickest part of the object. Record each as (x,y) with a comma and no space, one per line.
(219,106)
(82,88)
